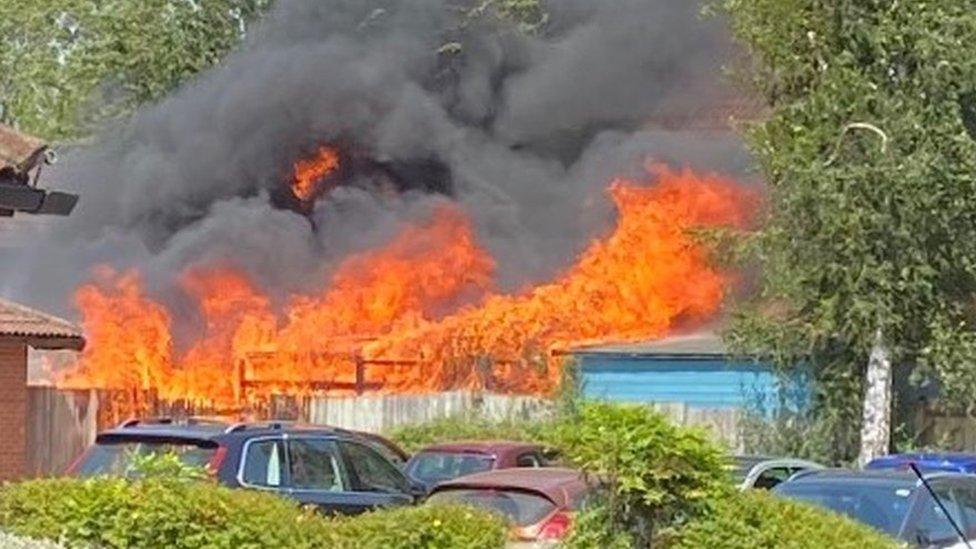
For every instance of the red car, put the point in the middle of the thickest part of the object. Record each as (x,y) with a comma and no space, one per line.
(441,462)
(540,503)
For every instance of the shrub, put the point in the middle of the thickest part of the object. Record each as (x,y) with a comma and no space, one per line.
(652,474)
(755,519)
(157,512)
(467,427)
(434,527)
(153,513)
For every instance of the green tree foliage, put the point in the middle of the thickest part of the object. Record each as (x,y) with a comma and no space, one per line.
(652,475)
(756,520)
(869,155)
(67,63)
(163,512)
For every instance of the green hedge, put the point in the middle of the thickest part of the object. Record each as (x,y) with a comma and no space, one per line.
(156,512)
(756,520)
(467,427)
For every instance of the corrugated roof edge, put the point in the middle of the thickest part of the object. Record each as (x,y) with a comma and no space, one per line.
(705,344)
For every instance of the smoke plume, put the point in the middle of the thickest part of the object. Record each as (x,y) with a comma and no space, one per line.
(428,101)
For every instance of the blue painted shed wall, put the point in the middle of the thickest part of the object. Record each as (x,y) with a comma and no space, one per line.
(699,382)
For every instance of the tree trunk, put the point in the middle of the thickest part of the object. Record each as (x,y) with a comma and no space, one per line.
(876,420)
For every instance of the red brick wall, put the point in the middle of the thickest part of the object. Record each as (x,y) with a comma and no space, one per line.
(13,409)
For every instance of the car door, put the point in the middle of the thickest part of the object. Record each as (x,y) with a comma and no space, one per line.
(373,480)
(317,475)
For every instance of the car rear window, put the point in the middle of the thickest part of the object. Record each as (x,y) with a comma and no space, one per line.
(441,466)
(522,508)
(120,458)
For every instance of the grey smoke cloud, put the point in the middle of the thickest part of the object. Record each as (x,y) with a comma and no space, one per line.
(529,129)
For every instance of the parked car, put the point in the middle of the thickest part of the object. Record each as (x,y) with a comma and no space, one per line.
(435,464)
(337,470)
(540,503)
(953,462)
(764,473)
(894,502)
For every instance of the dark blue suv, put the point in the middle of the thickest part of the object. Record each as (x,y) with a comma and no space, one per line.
(337,470)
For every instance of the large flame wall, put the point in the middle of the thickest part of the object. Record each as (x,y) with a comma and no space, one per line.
(421,310)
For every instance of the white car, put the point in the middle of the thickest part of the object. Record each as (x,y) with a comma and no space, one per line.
(764,473)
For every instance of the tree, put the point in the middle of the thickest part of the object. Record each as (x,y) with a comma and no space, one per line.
(65,64)
(868,253)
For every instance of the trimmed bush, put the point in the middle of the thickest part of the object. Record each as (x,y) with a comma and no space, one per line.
(154,512)
(429,526)
(467,427)
(653,475)
(756,520)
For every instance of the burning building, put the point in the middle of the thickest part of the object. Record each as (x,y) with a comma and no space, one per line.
(346,204)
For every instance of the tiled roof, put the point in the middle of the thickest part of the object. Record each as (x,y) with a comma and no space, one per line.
(39,330)
(15,146)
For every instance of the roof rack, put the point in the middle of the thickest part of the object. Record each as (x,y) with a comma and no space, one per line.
(275,424)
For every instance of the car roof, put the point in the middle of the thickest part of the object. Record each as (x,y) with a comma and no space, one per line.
(192,429)
(558,484)
(944,461)
(488,447)
(880,477)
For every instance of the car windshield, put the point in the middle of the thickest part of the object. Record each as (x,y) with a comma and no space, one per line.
(522,508)
(441,466)
(121,458)
(882,506)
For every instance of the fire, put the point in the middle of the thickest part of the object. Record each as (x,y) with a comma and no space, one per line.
(421,311)
(642,280)
(309,172)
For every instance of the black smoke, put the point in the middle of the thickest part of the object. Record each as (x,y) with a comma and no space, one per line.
(427,102)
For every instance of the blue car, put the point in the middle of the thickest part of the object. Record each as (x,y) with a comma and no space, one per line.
(894,502)
(950,462)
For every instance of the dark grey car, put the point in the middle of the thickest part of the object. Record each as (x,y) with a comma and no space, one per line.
(894,502)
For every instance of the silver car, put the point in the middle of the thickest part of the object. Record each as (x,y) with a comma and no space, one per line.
(764,473)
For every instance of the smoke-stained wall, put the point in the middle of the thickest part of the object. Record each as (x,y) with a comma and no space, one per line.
(524,131)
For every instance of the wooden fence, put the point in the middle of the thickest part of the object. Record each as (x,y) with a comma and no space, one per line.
(60,425)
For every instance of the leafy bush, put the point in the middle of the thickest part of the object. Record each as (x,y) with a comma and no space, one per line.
(429,526)
(467,427)
(652,474)
(156,512)
(153,513)
(755,519)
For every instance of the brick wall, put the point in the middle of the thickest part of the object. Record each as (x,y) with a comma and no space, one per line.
(13,409)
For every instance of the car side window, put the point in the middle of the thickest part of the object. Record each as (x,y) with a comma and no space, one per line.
(313,464)
(529,459)
(769,478)
(369,471)
(966,497)
(264,462)
(932,525)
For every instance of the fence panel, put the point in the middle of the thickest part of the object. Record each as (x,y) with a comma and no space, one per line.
(60,425)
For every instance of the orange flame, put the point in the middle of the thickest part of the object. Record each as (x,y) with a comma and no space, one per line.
(309,172)
(420,310)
